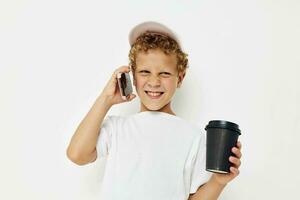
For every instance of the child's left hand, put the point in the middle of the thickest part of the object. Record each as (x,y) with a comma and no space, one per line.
(223,179)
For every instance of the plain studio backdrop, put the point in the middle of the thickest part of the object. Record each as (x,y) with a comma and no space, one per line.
(57,56)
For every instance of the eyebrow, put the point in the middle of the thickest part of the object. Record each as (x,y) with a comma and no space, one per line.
(147,69)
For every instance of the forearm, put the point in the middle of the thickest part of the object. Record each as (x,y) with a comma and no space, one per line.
(84,140)
(209,191)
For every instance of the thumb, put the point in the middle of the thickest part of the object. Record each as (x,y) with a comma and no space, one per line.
(132,96)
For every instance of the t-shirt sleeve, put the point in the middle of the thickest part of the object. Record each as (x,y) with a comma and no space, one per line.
(104,141)
(199,175)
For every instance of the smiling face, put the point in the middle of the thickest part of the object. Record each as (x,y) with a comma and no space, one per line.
(156,78)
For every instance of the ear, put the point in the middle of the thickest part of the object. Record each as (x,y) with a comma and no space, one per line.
(181,76)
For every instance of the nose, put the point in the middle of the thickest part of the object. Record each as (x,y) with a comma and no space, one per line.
(153,81)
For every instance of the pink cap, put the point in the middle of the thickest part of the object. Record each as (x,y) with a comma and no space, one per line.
(151,26)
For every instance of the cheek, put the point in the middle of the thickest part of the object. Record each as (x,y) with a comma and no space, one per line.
(169,84)
(136,81)
(139,83)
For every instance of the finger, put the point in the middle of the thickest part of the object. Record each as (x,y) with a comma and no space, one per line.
(235,161)
(239,145)
(132,96)
(235,171)
(121,69)
(237,152)
(124,69)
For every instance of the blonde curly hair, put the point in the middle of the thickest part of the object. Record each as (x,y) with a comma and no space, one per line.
(151,40)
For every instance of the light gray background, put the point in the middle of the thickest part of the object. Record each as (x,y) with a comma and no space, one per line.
(56,57)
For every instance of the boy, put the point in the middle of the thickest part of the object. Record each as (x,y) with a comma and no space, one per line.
(153,154)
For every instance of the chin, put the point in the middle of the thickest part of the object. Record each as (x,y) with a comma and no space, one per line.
(155,107)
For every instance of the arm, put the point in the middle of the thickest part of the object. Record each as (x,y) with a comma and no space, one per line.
(82,148)
(209,191)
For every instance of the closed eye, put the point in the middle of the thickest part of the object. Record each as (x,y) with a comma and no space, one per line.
(163,74)
(143,72)
(167,73)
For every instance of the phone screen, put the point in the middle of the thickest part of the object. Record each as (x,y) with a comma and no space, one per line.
(125,84)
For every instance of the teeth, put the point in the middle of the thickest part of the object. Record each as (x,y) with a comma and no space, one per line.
(155,94)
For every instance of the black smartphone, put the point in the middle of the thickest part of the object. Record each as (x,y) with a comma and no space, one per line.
(124,83)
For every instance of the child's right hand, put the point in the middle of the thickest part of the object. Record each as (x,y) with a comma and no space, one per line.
(111,91)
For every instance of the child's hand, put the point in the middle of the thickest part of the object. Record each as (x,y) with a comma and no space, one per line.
(111,90)
(223,179)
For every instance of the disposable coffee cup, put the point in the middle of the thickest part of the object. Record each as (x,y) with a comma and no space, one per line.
(221,137)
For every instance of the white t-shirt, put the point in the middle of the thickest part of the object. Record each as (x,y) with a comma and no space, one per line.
(151,156)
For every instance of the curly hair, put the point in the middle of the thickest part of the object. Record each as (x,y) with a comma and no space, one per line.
(151,40)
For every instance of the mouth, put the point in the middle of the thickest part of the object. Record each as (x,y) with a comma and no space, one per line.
(154,95)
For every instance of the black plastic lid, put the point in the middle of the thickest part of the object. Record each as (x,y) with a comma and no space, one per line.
(223,124)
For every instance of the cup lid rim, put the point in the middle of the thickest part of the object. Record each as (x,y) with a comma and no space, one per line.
(223,124)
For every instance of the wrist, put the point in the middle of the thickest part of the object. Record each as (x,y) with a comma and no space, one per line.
(214,180)
(105,100)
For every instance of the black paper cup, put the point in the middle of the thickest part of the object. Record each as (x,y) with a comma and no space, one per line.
(221,137)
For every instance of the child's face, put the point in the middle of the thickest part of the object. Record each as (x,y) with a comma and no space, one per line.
(156,72)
